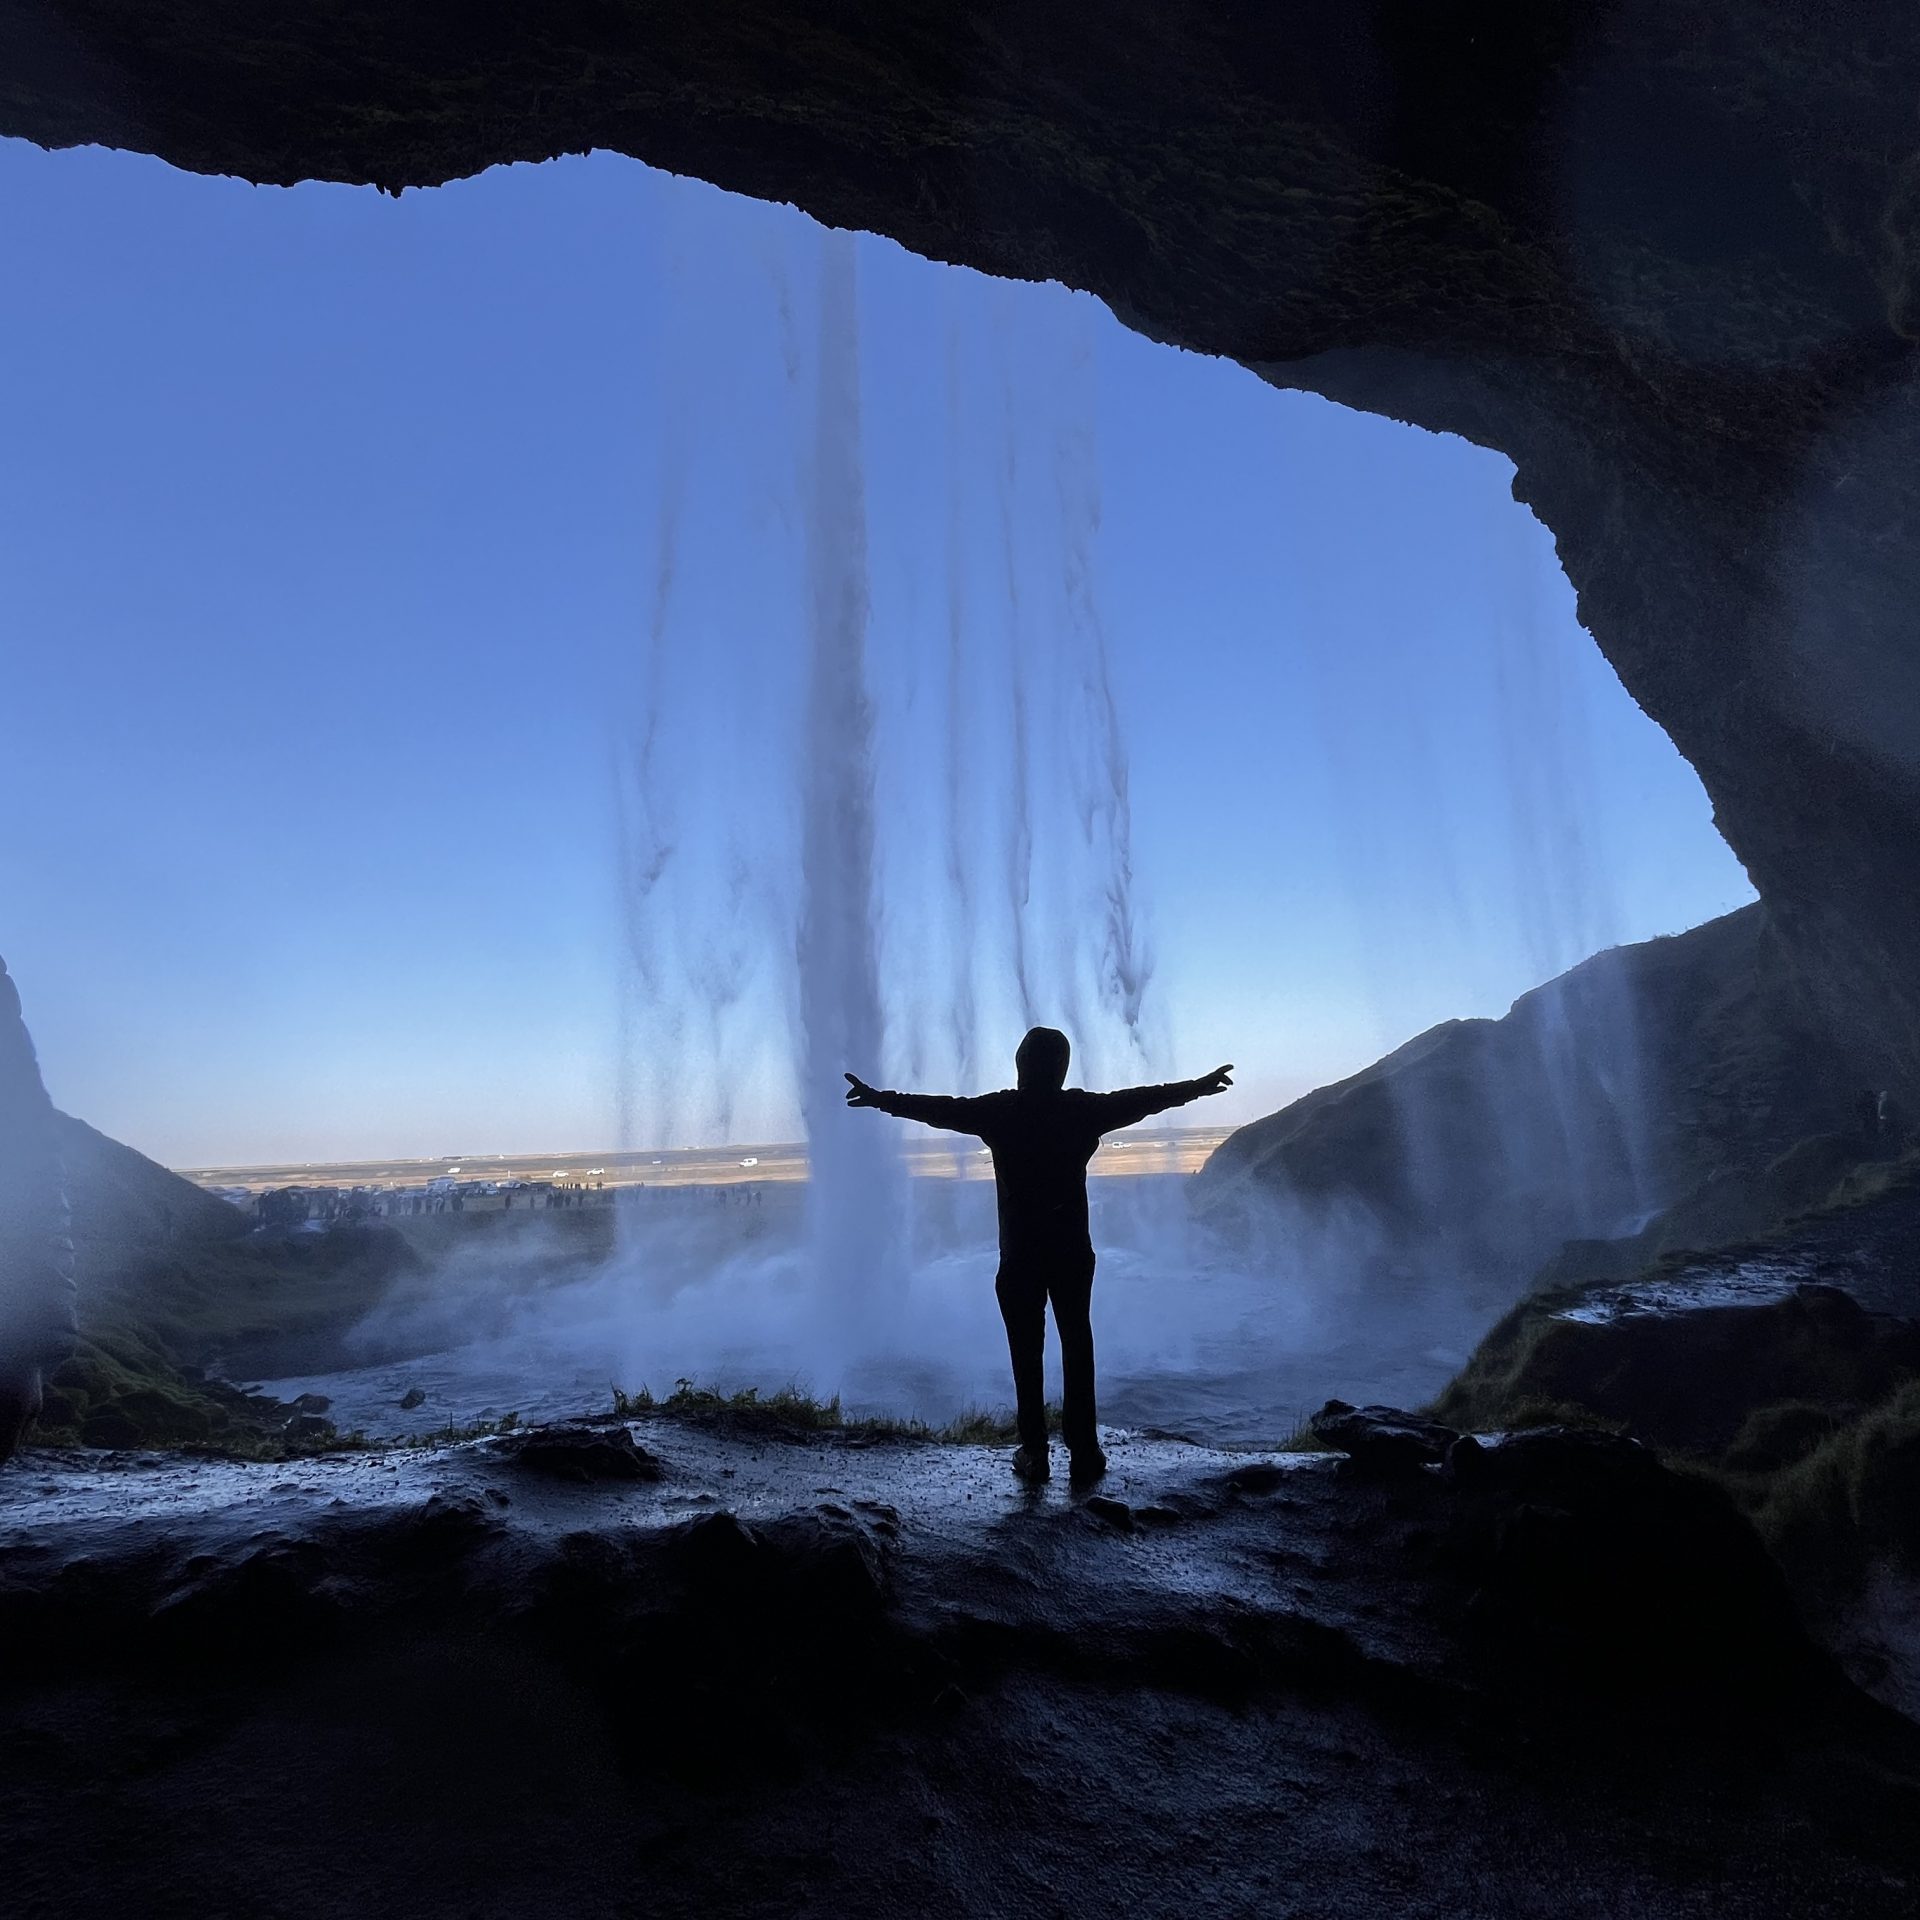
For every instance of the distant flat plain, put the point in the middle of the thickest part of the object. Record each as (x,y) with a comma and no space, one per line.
(928,1155)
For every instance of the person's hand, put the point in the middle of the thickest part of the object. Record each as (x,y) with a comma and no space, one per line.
(859,1094)
(1218,1081)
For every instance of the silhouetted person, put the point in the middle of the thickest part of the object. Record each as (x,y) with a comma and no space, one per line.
(1041,1134)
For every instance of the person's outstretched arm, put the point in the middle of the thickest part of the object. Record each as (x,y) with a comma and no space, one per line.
(953,1112)
(1133,1104)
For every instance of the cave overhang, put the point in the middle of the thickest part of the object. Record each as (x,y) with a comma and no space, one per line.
(1665,254)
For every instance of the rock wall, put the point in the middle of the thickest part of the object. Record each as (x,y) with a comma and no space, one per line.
(1663,253)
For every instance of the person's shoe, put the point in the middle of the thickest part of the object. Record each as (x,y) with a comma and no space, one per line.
(1089,1463)
(1032,1465)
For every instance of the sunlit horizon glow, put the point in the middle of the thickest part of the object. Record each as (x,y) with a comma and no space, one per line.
(925,1155)
(330,540)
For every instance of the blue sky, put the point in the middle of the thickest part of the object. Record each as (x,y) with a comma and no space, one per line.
(330,543)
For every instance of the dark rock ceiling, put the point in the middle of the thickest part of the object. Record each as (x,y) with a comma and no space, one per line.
(1663,253)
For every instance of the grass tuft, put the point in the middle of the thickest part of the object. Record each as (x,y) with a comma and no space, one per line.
(792,1412)
(1849,1504)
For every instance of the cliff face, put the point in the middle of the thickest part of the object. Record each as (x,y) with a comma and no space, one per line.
(1672,1075)
(1663,253)
(36,1252)
(123,1200)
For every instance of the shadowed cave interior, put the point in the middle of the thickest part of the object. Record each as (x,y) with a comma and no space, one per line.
(1626,1617)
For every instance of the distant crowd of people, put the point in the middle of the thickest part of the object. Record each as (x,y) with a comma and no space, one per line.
(576,1193)
(728,1194)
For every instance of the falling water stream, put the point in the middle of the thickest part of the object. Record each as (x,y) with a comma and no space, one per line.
(855,1198)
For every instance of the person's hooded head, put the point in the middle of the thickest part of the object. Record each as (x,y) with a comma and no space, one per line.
(1041,1059)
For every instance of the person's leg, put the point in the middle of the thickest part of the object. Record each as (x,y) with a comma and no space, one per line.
(1072,1290)
(1023,1306)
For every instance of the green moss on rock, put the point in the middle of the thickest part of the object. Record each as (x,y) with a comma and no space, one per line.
(1851,1503)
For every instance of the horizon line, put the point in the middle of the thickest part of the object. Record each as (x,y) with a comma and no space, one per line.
(626,1155)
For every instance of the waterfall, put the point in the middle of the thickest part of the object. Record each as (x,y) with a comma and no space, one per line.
(795,772)
(963,1015)
(644,833)
(855,1197)
(1017,849)
(1102,801)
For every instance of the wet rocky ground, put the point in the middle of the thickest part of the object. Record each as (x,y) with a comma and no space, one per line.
(681,1668)
(1869,1251)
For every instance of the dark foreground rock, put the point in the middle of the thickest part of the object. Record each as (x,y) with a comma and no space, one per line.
(582,1453)
(882,1678)
(1594,1568)
(1382,1440)
(1787,1370)
(1823,1314)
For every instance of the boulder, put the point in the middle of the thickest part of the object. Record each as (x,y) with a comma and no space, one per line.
(1382,1440)
(1577,1559)
(583,1454)
(1609,1573)
(1113,1513)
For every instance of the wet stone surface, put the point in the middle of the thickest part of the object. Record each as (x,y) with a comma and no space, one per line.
(821,1675)
(1870,1254)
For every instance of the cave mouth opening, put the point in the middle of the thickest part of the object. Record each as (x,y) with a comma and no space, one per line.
(330,508)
